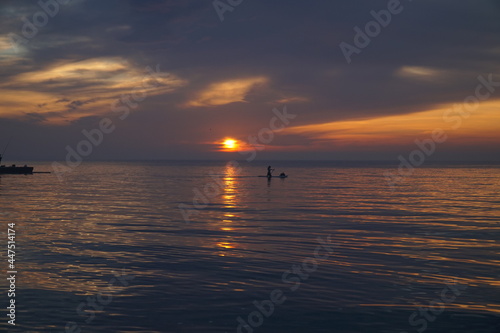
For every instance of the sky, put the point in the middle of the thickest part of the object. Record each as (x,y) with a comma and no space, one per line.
(203,79)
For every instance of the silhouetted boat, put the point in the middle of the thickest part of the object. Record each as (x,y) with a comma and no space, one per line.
(13,169)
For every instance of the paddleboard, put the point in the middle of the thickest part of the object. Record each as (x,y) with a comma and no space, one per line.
(274,176)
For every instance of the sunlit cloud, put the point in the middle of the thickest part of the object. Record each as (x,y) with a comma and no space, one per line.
(16,102)
(420,73)
(9,55)
(61,73)
(483,125)
(226,92)
(65,91)
(5,43)
(292,100)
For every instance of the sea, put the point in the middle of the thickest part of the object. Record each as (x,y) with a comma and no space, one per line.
(208,246)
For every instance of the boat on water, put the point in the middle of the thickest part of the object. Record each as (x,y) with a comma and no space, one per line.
(15,170)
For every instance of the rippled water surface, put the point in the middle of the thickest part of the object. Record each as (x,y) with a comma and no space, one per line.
(109,249)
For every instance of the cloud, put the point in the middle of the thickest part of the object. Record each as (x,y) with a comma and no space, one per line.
(35,117)
(5,43)
(420,73)
(226,92)
(481,125)
(102,79)
(292,100)
(119,29)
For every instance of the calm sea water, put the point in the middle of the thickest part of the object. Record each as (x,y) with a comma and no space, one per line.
(108,249)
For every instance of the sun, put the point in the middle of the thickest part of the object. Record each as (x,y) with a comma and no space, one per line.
(230,144)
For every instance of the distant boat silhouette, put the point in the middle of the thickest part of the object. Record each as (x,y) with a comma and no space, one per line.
(13,169)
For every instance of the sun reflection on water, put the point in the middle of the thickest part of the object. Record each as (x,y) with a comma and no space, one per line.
(230,203)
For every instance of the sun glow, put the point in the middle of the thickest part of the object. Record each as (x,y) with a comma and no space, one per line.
(230,144)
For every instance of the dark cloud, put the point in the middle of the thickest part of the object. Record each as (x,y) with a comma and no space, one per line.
(34,117)
(76,104)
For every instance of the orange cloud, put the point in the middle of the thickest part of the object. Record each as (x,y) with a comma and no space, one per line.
(292,100)
(65,91)
(483,125)
(226,92)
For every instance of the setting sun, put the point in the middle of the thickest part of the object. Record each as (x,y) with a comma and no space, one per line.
(230,144)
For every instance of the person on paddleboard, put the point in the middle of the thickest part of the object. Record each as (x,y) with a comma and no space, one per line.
(269,172)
